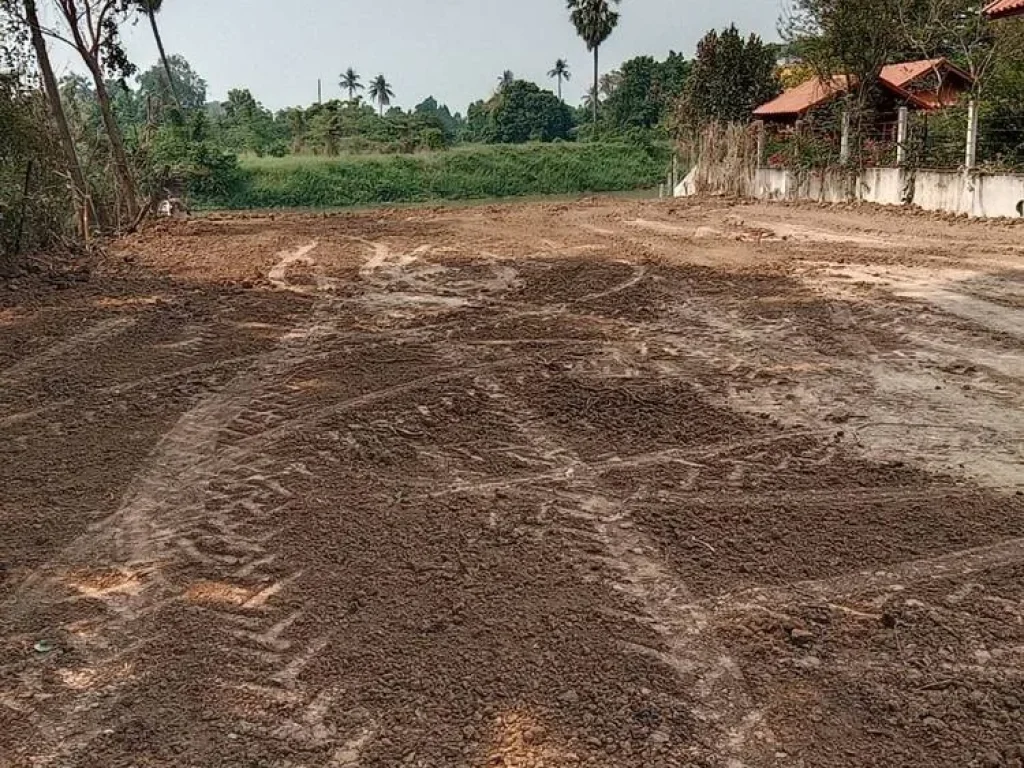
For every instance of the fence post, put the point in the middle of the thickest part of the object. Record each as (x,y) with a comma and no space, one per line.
(971,159)
(902,131)
(759,128)
(844,141)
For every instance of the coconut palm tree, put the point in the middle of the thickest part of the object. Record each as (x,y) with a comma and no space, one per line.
(380,91)
(151,8)
(610,81)
(561,71)
(505,80)
(595,20)
(351,82)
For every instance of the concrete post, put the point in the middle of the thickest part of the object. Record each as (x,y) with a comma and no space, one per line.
(759,128)
(844,142)
(902,132)
(971,159)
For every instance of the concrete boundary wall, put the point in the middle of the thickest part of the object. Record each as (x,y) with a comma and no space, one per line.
(976,194)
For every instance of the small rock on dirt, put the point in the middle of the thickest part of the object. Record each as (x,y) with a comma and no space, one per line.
(707,233)
(801,637)
(808,662)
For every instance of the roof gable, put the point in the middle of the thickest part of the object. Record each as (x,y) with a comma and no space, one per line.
(1005,8)
(895,77)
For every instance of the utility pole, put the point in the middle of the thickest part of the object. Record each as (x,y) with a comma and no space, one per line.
(319,91)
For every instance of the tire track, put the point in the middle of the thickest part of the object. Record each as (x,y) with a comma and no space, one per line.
(101,331)
(195,528)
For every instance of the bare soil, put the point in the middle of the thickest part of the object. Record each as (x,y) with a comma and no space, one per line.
(611,483)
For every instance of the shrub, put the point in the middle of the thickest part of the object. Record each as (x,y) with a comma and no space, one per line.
(465,173)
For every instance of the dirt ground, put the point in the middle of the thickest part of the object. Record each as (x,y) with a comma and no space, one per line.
(608,483)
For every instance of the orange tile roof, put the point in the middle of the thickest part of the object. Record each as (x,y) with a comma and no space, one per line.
(908,71)
(1005,8)
(815,92)
(805,96)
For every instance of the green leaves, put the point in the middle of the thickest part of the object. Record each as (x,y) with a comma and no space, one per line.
(595,20)
(731,76)
(380,91)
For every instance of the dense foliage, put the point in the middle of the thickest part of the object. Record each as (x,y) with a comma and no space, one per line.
(730,77)
(33,195)
(518,113)
(464,173)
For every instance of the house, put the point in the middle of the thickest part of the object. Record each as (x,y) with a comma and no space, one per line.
(1005,9)
(925,85)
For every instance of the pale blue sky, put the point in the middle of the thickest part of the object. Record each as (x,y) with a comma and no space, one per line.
(451,49)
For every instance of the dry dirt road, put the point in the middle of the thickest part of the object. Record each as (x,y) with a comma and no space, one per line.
(545,485)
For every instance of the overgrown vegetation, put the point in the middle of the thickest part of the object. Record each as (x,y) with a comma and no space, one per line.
(460,174)
(34,200)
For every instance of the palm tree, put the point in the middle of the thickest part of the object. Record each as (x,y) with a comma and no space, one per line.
(505,81)
(151,9)
(351,82)
(561,71)
(595,20)
(380,91)
(610,81)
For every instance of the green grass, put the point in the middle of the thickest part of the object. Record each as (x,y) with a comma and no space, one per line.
(466,173)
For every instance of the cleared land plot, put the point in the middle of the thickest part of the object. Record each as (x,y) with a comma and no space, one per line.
(605,483)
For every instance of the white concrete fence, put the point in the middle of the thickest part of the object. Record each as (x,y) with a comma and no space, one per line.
(967,191)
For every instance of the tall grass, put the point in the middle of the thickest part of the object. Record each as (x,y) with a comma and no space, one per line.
(460,174)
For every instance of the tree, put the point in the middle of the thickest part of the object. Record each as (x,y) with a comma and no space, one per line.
(351,82)
(643,91)
(561,72)
(151,8)
(247,126)
(1002,104)
(526,113)
(33,188)
(505,80)
(848,38)
(595,20)
(479,125)
(380,92)
(731,76)
(81,188)
(91,28)
(188,91)
(954,29)
(450,124)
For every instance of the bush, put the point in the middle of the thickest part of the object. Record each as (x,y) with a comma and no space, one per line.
(465,173)
(35,214)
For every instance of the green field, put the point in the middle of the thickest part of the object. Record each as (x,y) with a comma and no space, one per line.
(465,173)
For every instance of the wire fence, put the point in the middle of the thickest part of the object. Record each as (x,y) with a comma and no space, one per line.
(932,140)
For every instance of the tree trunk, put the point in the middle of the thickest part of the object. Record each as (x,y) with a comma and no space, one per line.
(122,170)
(596,78)
(560,88)
(163,54)
(56,108)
